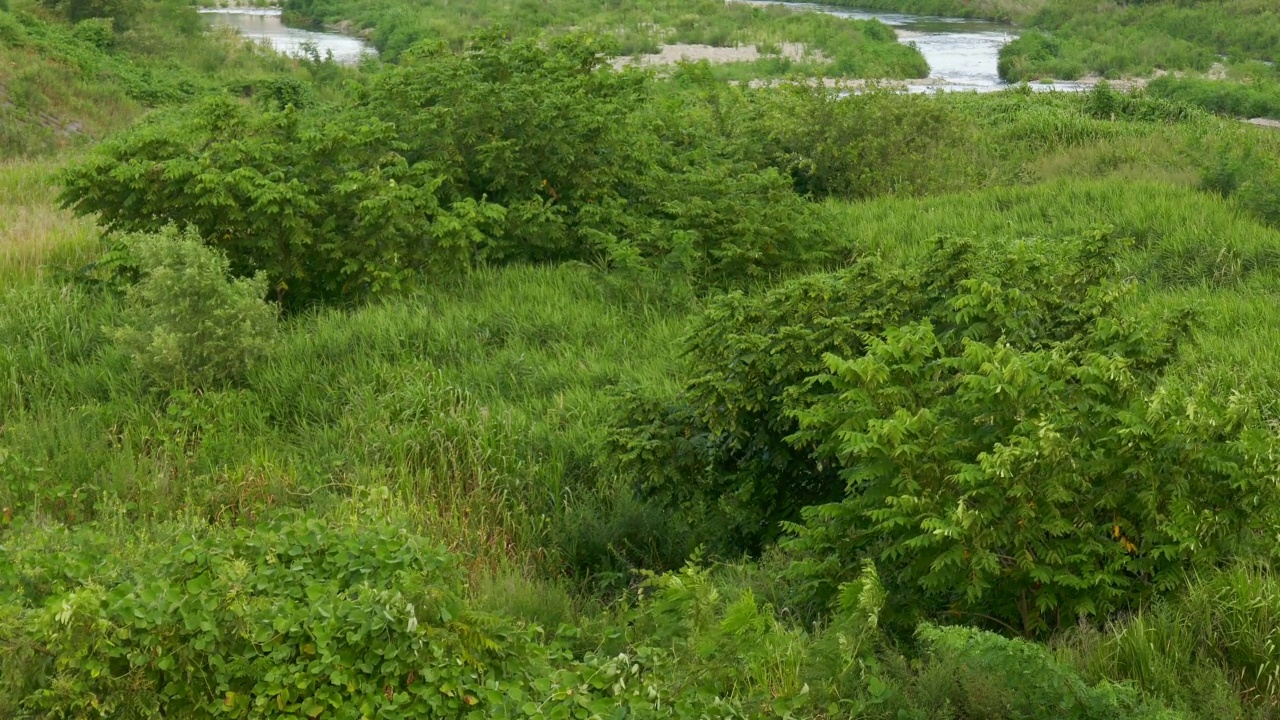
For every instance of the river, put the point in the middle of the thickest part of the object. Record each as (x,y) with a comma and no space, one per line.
(962,54)
(263,24)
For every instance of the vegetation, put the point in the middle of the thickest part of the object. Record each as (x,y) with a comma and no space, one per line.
(504,380)
(1072,38)
(1255,98)
(825,45)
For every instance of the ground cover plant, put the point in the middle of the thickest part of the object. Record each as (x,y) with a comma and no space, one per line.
(499,381)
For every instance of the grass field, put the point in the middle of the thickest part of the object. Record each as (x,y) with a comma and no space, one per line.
(410,503)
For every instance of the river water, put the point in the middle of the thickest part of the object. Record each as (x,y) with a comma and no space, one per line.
(962,54)
(264,25)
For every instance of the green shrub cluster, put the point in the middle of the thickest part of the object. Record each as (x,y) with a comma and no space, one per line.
(300,618)
(519,150)
(992,426)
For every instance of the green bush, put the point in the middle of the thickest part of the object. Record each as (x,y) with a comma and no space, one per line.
(1003,468)
(510,151)
(723,445)
(989,423)
(291,620)
(98,32)
(185,322)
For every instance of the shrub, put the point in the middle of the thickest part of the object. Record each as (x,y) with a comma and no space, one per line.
(1001,472)
(509,151)
(98,32)
(186,323)
(723,444)
(989,424)
(290,620)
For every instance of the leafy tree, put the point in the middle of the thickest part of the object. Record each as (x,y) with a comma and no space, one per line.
(122,12)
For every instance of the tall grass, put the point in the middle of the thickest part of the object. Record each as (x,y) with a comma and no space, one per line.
(478,405)
(1127,39)
(1259,97)
(35,232)
(1215,651)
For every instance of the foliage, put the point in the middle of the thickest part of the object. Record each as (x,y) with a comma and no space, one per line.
(724,443)
(1211,649)
(824,45)
(1034,55)
(66,85)
(468,410)
(1259,98)
(1105,103)
(875,143)
(969,410)
(186,323)
(510,151)
(1073,37)
(305,618)
(975,673)
(121,12)
(296,619)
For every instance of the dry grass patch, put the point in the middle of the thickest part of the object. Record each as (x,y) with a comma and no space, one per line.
(34,230)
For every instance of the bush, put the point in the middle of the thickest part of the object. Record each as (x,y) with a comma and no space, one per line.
(723,444)
(120,12)
(290,620)
(509,151)
(186,323)
(98,32)
(989,424)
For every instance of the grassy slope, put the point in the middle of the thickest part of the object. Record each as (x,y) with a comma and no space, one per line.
(66,87)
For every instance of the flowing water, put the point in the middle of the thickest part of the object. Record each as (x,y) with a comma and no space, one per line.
(962,54)
(264,25)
